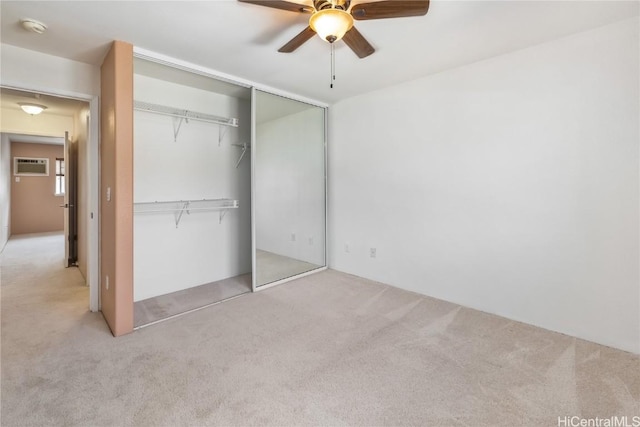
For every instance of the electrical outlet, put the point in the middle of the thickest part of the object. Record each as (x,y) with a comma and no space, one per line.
(293,237)
(108,194)
(372,252)
(106,282)
(346,247)
(311,240)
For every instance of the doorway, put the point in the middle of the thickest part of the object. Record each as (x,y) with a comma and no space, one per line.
(47,176)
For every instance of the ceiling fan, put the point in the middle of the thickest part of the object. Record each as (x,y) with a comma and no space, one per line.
(332,20)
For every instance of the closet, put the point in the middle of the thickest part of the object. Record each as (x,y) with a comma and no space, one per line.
(229,189)
(192,191)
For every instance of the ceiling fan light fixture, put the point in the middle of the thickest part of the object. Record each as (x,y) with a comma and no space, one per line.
(32,109)
(331,24)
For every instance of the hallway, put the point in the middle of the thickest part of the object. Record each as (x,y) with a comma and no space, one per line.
(44,306)
(39,295)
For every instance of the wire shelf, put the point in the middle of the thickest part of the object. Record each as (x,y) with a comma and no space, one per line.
(180,207)
(184,114)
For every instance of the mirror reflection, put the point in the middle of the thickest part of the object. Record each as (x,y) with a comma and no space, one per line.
(289,188)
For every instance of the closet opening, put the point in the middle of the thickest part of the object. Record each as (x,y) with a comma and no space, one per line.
(192,191)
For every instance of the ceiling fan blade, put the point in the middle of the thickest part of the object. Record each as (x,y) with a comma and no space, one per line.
(358,43)
(390,9)
(282,5)
(298,40)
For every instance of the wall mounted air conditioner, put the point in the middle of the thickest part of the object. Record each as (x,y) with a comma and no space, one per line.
(30,166)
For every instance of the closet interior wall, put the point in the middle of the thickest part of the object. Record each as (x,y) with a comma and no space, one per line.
(189,160)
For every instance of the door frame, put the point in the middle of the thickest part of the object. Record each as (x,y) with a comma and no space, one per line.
(252,152)
(93,185)
(66,202)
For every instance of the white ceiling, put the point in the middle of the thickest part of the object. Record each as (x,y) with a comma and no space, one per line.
(9,99)
(33,139)
(243,39)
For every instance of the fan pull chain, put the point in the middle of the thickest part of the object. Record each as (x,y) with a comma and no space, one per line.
(333,65)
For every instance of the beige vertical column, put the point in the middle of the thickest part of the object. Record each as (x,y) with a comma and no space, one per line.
(116,188)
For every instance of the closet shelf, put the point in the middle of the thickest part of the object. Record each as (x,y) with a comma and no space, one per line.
(185,114)
(180,116)
(179,207)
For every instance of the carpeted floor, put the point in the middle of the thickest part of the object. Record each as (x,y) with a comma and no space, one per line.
(163,306)
(271,267)
(328,349)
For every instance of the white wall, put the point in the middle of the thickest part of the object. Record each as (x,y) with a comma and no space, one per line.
(509,185)
(200,250)
(5,188)
(289,184)
(23,68)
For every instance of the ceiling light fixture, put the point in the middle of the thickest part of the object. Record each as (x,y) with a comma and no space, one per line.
(33,25)
(32,109)
(331,24)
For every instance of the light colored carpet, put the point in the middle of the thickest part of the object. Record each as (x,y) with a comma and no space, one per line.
(163,306)
(327,349)
(273,267)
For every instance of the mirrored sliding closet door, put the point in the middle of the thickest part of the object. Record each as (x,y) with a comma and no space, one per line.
(289,193)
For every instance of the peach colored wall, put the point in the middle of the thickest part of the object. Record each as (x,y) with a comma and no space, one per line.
(34,206)
(116,161)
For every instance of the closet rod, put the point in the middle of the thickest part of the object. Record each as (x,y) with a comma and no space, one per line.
(183,114)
